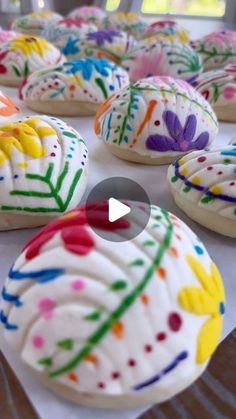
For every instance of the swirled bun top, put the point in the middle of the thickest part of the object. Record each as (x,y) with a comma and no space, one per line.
(6,36)
(127,21)
(161,58)
(34,23)
(104,43)
(43,167)
(216,49)
(156,118)
(90,80)
(167,28)
(22,55)
(7,107)
(91,14)
(73,311)
(207,181)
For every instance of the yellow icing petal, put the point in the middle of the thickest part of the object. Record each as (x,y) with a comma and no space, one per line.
(45,131)
(208,338)
(28,45)
(197,301)
(200,272)
(217,282)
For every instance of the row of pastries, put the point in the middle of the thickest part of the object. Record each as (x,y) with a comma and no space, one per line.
(114,323)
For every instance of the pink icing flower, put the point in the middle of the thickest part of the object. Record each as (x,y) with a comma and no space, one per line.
(229,92)
(38,341)
(148,65)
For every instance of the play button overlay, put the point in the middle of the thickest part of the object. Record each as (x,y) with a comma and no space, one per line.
(118,209)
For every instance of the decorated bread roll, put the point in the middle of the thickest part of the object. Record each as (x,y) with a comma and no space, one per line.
(6,36)
(169,29)
(23,55)
(74,88)
(162,58)
(203,185)
(114,324)
(91,14)
(216,49)
(219,88)
(60,32)
(129,22)
(104,43)
(154,120)
(43,171)
(34,23)
(7,107)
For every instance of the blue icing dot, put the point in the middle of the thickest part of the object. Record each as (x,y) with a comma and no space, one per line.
(222,308)
(73,142)
(72,149)
(15,176)
(82,163)
(126,139)
(1,178)
(199,250)
(69,156)
(111,87)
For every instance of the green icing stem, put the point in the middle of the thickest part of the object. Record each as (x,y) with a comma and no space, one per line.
(104,328)
(101,84)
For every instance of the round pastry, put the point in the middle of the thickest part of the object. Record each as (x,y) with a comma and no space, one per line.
(216,49)
(7,107)
(91,14)
(6,36)
(129,22)
(75,88)
(72,302)
(59,32)
(162,58)
(105,43)
(203,185)
(33,23)
(43,171)
(23,55)
(169,29)
(219,88)
(154,120)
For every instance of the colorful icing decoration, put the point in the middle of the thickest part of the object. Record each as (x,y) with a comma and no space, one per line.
(75,87)
(34,23)
(104,43)
(219,88)
(60,32)
(162,58)
(167,28)
(7,107)
(23,55)
(72,301)
(6,36)
(91,14)
(156,119)
(204,186)
(216,49)
(43,171)
(127,21)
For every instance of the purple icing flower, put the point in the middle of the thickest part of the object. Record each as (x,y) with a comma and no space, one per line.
(102,36)
(180,138)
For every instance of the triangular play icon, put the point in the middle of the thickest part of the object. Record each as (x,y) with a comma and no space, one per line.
(117,210)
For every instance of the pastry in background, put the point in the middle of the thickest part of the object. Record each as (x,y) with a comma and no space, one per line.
(22,55)
(203,184)
(127,21)
(8,108)
(34,23)
(155,120)
(6,36)
(43,171)
(216,49)
(75,88)
(219,88)
(167,28)
(91,14)
(114,325)
(152,57)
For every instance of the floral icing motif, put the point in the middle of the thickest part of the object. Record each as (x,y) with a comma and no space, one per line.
(7,106)
(42,166)
(90,13)
(169,29)
(33,23)
(103,35)
(72,264)
(216,49)
(208,300)
(127,21)
(181,138)
(6,36)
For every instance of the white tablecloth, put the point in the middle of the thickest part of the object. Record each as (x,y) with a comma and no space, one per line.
(153,179)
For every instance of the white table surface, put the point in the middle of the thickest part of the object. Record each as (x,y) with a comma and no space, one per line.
(153,178)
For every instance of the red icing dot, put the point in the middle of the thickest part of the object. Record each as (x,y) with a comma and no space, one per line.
(232,184)
(131,362)
(52,154)
(174,321)
(161,336)
(148,348)
(209,168)
(101,385)
(55,146)
(201,159)
(219,173)
(115,375)
(157,123)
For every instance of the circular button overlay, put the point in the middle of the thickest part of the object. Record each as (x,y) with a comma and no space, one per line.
(118,209)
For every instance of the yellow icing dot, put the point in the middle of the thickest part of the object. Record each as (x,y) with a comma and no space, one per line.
(196,180)
(216,190)
(182,161)
(23,165)
(28,45)
(184,171)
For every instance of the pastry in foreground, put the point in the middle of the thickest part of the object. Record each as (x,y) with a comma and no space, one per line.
(203,184)
(167,28)
(75,88)
(114,324)
(34,23)
(156,119)
(43,171)
(91,14)
(216,49)
(22,55)
(8,108)
(152,57)
(219,88)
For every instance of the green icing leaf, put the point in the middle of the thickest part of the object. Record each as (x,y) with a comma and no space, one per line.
(26,69)
(155,225)
(137,262)
(118,285)
(187,189)
(69,134)
(149,243)
(207,199)
(47,362)
(158,217)
(95,315)
(174,179)
(16,71)
(66,344)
